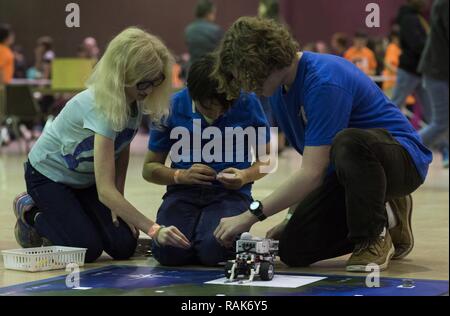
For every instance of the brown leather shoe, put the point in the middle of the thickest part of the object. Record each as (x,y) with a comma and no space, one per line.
(379,252)
(402,235)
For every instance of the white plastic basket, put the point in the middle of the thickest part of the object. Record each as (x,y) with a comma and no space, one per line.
(43,258)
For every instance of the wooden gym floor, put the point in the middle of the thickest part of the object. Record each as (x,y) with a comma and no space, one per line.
(429,259)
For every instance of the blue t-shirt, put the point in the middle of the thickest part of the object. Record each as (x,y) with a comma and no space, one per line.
(234,153)
(331,94)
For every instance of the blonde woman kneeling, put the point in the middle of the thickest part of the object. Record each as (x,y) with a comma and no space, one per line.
(75,174)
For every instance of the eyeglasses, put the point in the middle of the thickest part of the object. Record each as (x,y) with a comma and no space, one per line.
(144,85)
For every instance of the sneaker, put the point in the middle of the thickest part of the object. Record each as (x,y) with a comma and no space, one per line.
(379,252)
(26,235)
(402,235)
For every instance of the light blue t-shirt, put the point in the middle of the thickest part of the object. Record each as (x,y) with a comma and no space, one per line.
(65,151)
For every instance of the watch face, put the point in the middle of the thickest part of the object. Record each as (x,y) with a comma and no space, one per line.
(254,206)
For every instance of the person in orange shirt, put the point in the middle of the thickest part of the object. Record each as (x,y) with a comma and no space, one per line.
(391,63)
(6,54)
(361,55)
(177,83)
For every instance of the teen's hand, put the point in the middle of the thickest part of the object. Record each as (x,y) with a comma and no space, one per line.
(197,174)
(171,236)
(232,179)
(276,231)
(229,228)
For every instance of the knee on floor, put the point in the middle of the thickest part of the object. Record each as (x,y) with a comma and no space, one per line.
(172,257)
(125,250)
(94,251)
(211,253)
(296,260)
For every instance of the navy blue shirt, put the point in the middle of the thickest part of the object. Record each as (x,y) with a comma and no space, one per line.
(331,94)
(246,112)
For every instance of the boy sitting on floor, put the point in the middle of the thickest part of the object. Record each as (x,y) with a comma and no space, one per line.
(200,190)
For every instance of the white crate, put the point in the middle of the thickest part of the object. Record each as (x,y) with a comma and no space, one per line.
(43,258)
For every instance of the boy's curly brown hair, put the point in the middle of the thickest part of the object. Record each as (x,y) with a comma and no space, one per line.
(250,51)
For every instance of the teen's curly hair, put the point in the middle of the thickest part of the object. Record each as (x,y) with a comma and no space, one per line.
(250,51)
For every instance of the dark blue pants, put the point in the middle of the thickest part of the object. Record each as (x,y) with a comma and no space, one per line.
(76,218)
(196,211)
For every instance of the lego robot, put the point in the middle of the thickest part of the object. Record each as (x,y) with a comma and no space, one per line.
(254,257)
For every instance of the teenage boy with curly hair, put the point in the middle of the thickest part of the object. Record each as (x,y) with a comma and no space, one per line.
(361,157)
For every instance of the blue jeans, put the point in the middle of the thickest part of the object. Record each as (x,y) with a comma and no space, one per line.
(76,218)
(407,84)
(196,211)
(438,125)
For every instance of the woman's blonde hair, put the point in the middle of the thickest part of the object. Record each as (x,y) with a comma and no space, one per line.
(132,56)
(250,51)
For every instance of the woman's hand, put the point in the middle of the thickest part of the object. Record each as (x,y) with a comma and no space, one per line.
(232,178)
(197,174)
(107,185)
(171,236)
(134,230)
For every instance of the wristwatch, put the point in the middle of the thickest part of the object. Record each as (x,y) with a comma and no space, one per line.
(256,208)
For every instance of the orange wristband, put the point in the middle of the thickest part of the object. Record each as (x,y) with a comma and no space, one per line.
(176,175)
(154,230)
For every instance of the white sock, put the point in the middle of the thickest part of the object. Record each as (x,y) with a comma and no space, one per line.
(392,220)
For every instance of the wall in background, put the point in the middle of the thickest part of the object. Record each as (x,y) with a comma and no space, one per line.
(309,20)
(320,19)
(104,18)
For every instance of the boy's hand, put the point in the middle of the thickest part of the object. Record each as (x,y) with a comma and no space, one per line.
(197,174)
(232,178)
